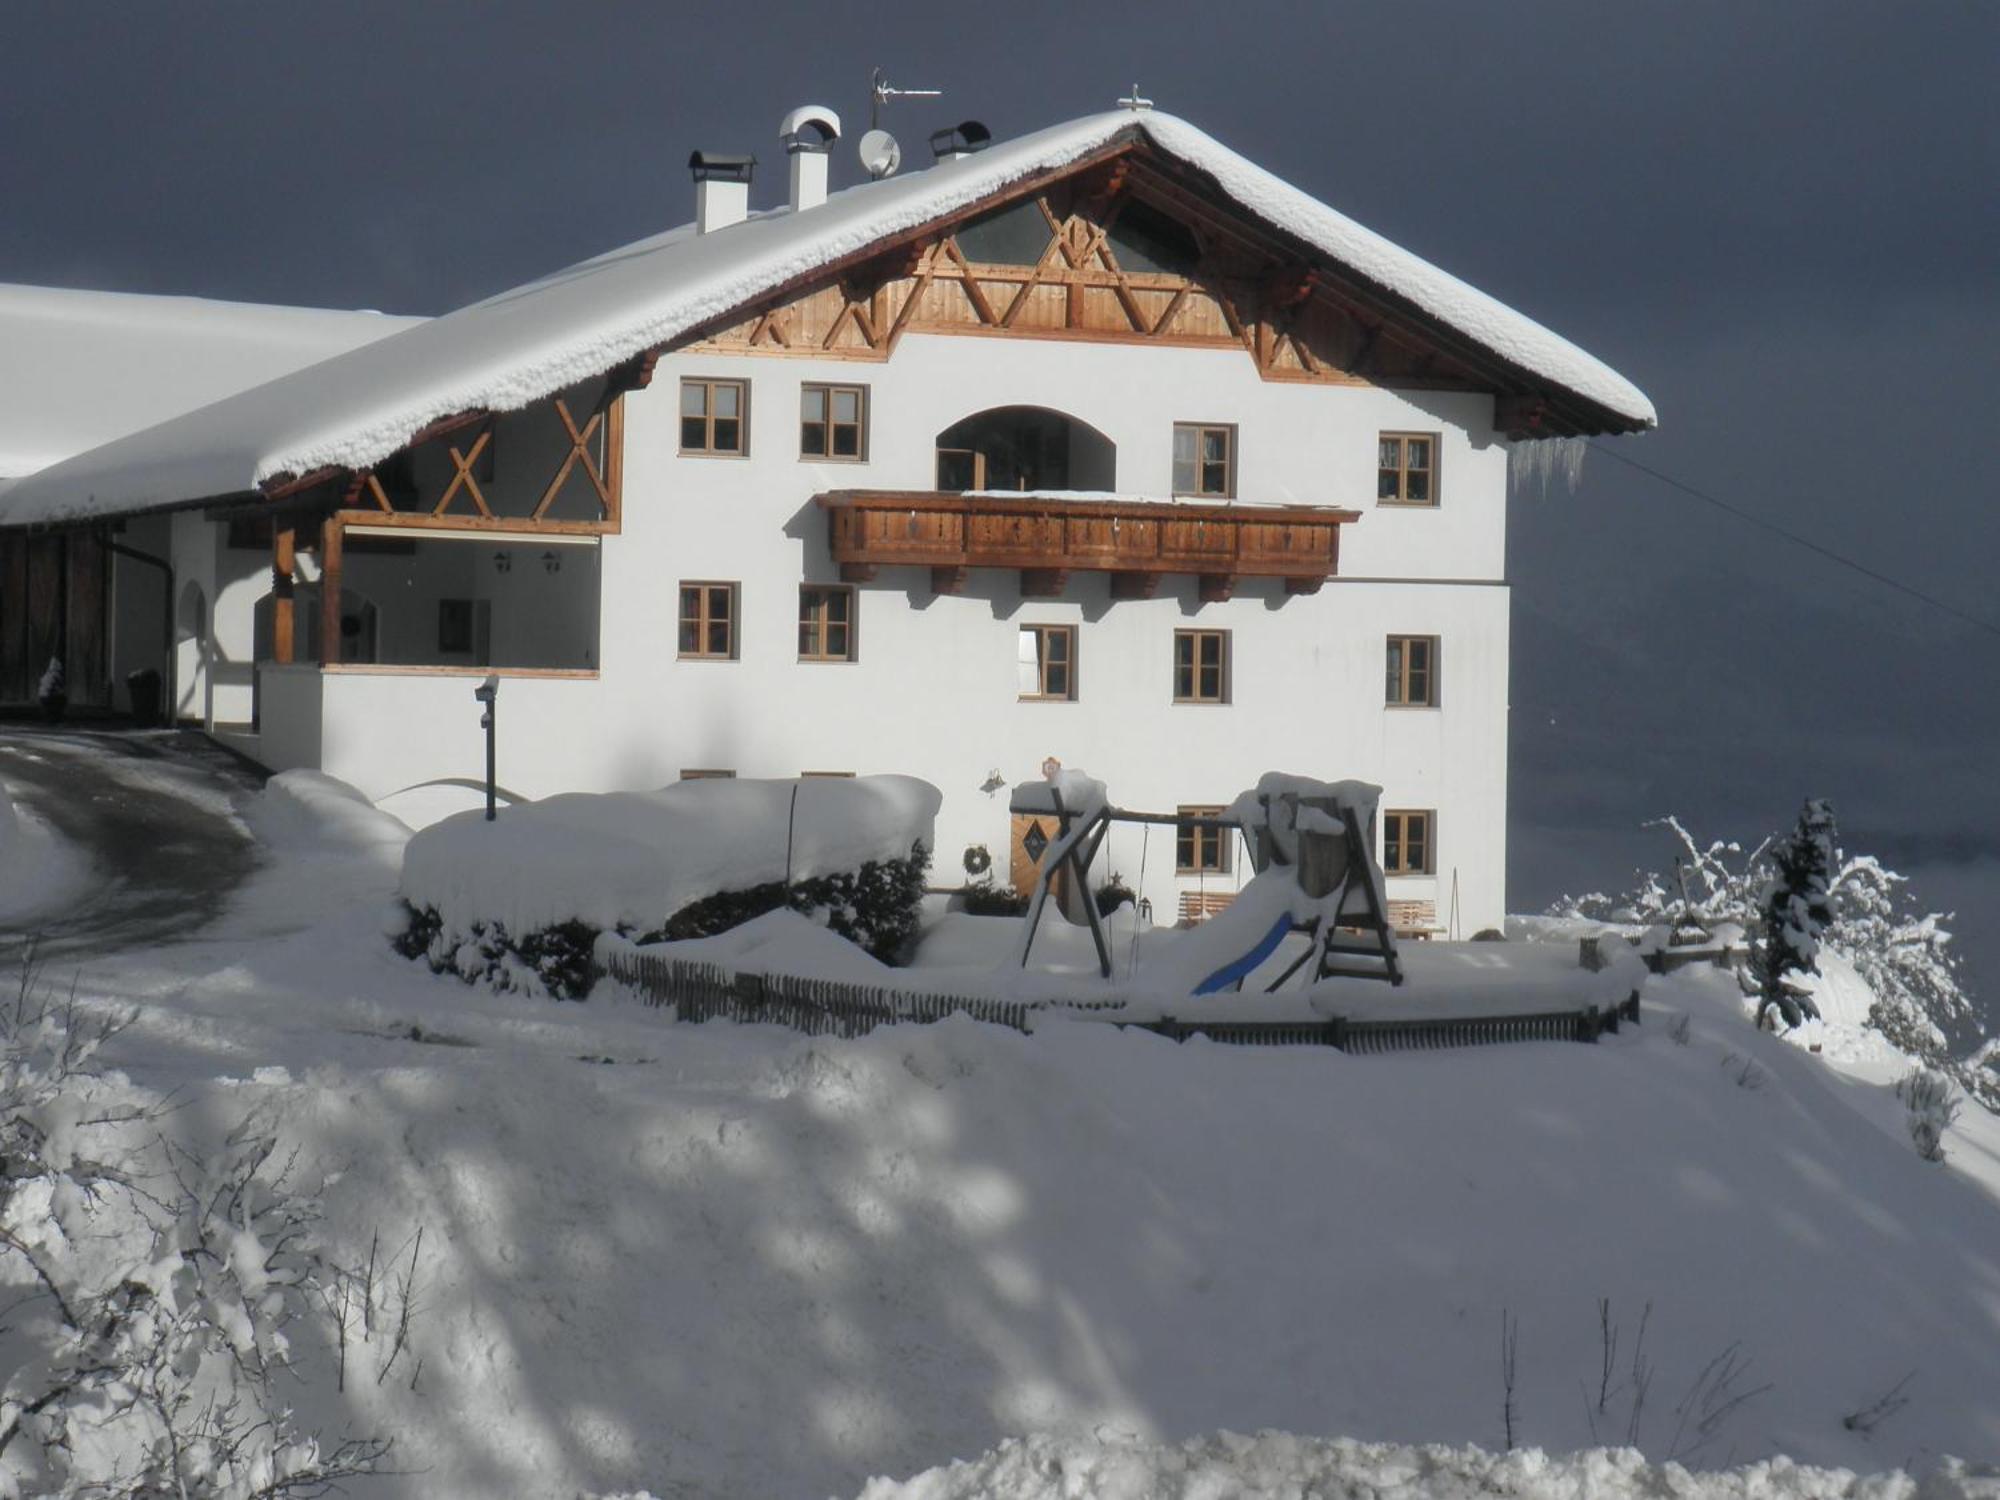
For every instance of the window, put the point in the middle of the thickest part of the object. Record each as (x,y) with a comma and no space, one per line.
(1200,850)
(833,421)
(713,416)
(1413,671)
(826,623)
(709,774)
(1406,472)
(455,626)
(1149,242)
(1407,843)
(1201,666)
(1048,662)
(1016,234)
(1204,460)
(708,621)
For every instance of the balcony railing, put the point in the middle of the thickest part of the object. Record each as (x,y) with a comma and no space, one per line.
(1046,536)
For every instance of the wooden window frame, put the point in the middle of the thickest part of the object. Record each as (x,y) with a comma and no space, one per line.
(1402,470)
(1200,430)
(1224,674)
(704,618)
(1214,842)
(1041,662)
(819,622)
(828,388)
(710,384)
(1400,819)
(1397,691)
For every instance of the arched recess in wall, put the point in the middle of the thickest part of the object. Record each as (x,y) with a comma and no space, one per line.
(1025,448)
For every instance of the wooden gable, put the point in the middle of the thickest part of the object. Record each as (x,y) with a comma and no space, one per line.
(1124,250)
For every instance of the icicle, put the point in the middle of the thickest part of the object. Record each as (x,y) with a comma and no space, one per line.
(1535,462)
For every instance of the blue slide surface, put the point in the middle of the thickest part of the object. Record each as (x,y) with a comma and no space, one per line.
(1239,969)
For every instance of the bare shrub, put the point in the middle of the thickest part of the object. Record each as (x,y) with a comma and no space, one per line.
(149,1291)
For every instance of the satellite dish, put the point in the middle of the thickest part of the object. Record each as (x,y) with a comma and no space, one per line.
(880,154)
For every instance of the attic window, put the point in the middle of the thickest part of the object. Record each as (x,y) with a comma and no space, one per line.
(1015,235)
(1149,242)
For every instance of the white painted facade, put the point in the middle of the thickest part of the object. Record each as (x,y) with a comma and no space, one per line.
(934,691)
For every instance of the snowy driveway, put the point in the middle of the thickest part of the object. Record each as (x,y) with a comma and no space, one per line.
(152,812)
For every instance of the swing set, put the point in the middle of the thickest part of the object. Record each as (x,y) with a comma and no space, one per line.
(1322,840)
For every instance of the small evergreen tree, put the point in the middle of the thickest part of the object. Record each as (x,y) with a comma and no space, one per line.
(1796,908)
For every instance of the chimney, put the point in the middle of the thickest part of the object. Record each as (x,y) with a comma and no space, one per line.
(808,133)
(721,189)
(962,139)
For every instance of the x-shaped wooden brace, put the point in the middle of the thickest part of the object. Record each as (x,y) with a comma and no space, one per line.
(579,448)
(462,463)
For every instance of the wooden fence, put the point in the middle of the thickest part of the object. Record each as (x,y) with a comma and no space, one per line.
(818,1007)
(832,1007)
(1408,1034)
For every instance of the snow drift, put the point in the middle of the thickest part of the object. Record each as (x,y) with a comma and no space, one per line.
(1279,1466)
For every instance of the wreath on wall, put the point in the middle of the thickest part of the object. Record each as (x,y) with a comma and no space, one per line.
(978,860)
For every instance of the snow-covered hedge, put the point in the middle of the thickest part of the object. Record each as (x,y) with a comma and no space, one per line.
(517,902)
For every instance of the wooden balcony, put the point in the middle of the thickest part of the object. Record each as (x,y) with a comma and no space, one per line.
(1047,536)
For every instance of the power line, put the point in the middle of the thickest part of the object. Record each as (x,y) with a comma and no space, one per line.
(1806,542)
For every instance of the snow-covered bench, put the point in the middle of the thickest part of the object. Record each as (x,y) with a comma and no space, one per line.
(1413,919)
(1199,906)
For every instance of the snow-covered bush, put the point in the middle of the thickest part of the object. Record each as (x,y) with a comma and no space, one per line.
(1793,914)
(149,1293)
(1902,952)
(1927,1094)
(875,907)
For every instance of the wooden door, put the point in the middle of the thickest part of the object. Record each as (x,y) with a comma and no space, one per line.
(17,672)
(86,642)
(1033,833)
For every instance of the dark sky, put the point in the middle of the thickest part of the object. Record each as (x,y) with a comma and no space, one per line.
(1782,220)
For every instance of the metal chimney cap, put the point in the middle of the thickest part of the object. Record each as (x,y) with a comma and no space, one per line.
(962,139)
(810,127)
(714,166)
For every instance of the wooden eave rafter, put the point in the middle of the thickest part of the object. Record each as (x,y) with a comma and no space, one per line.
(1567,412)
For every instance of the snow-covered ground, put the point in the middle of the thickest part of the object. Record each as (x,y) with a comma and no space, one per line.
(39,869)
(735,1260)
(1281,1466)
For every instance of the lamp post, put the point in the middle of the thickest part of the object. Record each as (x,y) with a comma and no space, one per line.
(488,694)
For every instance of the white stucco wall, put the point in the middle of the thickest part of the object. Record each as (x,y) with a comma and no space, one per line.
(934,692)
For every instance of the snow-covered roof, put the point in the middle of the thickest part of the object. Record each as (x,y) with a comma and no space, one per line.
(522,345)
(80,368)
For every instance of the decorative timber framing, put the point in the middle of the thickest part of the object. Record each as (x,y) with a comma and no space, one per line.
(1297,315)
(1045,538)
(326,503)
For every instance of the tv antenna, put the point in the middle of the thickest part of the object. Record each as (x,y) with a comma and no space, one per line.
(880,92)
